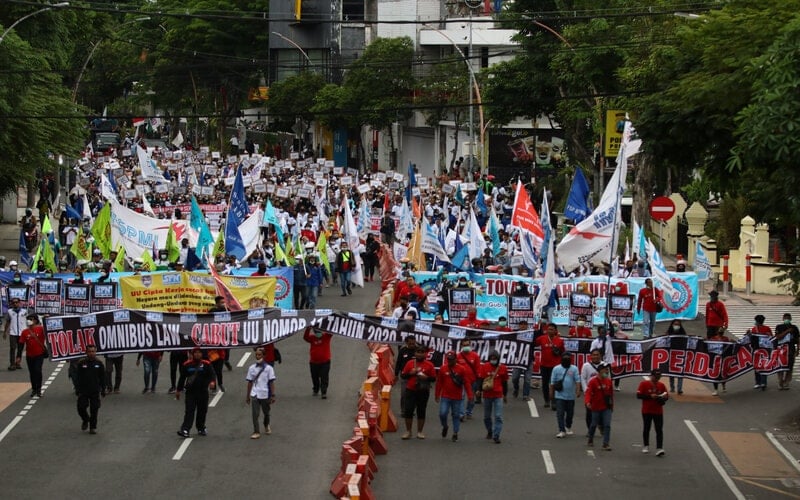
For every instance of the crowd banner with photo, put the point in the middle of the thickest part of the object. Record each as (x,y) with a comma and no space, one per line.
(48,296)
(460,301)
(520,308)
(492,292)
(104,296)
(684,356)
(580,304)
(77,298)
(620,309)
(190,292)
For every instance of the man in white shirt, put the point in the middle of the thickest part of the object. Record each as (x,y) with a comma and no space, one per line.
(403,309)
(16,318)
(261,390)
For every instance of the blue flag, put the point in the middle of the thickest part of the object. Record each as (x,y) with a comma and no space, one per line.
(578,202)
(24,255)
(480,201)
(461,258)
(270,217)
(198,222)
(237,212)
(72,213)
(412,181)
(113,183)
(459,197)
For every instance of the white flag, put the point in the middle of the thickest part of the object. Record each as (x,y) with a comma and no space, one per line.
(106,189)
(350,234)
(431,244)
(550,279)
(701,264)
(87,211)
(146,207)
(149,169)
(659,273)
(476,242)
(178,140)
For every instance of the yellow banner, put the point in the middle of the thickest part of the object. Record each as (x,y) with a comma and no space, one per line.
(615,121)
(192,292)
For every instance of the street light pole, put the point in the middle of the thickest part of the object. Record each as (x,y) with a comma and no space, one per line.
(50,7)
(294,44)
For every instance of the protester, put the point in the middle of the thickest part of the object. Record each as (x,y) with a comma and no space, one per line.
(588,371)
(565,387)
(418,374)
(654,395)
(676,328)
(493,388)
(719,337)
(405,353)
(114,367)
(552,347)
(345,264)
(716,314)
(450,387)
(152,359)
(90,386)
(197,375)
(580,329)
(34,343)
(472,362)
(14,324)
(787,334)
(650,301)
(315,276)
(757,333)
(599,399)
(260,392)
(525,374)
(319,359)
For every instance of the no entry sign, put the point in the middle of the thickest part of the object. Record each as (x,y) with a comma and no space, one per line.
(662,208)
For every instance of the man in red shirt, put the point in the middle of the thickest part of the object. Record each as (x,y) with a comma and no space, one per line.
(495,376)
(450,387)
(33,341)
(599,398)
(580,330)
(758,332)
(472,362)
(649,300)
(552,347)
(418,373)
(319,360)
(716,314)
(406,288)
(653,395)
(472,321)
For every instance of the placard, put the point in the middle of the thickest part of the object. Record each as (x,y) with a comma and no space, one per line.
(394,185)
(104,296)
(126,153)
(580,304)
(304,193)
(620,309)
(363,188)
(130,194)
(461,299)
(270,188)
(21,292)
(380,176)
(207,190)
(422,181)
(294,156)
(338,171)
(162,188)
(215,155)
(259,188)
(469,186)
(197,189)
(520,308)
(76,299)
(346,180)
(49,292)
(282,192)
(352,172)
(329,163)
(399,177)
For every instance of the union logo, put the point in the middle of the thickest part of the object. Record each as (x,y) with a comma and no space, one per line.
(281,288)
(682,299)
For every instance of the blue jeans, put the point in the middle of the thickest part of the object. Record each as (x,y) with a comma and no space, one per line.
(601,418)
(516,373)
(453,407)
(466,410)
(760,379)
(493,408)
(565,410)
(672,383)
(344,281)
(311,296)
(150,369)
(648,323)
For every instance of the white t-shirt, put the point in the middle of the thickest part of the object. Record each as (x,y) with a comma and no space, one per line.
(260,379)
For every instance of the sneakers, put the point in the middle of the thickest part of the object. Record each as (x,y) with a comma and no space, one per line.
(526,398)
(202,432)
(92,431)
(489,435)
(617,388)
(228,365)
(324,396)
(11,368)
(497,440)
(183,433)
(547,404)
(561,434)
(85,425)
(444,431)
(606,447)
(455,437)
(145,390)
(590,442)
(516,392)
(268,430)
(659,452)
(255,435)
(406,435)
(420,435)
(714,393)
(645,449)
(757,386)
(569,432)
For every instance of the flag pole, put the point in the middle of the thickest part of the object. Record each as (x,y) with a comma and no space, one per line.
(617,215)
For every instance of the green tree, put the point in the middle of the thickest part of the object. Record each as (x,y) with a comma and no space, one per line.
(292,99)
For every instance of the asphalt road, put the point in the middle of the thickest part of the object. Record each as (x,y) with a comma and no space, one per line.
(716,447)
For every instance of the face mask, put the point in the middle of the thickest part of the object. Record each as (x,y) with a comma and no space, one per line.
(502,323)
(581,323)
(17,280)
(676,328)
(30,322)
(466,349)
(605,375)
(16,307)
(494,362)
(318,335)
(566,364)
(787,322)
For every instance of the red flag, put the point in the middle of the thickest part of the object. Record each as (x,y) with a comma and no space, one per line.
(524,215)
(138,122)
(387,204)
(387,266)
(415,209)
(231,303)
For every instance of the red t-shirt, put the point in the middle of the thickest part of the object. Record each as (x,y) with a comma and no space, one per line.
(320,350)
(426,367)
(648,298)
(447,388)
(502,376)
(549,358)
(596,391)
(33,347)
(716,314)
(472,362)
(651,406)
(581,332)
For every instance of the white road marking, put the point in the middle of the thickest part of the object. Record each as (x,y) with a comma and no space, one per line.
(10,426)
(182,448)
(548,462)
(28,407)
(590,453)
(216,399)
(532,406)
(783,451)
(244,359)
(714,461)
(23,413)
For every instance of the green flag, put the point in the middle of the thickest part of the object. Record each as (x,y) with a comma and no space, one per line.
(173,249)
(101,230)
(80,248)
(219,246)
(147,261)
(322,248)
(119,262)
